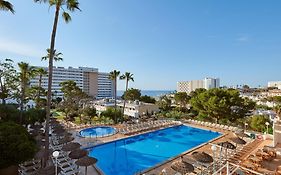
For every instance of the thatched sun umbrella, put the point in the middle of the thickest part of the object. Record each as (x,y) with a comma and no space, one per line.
(77,154)
(238,140)
(65,134)
(58,126)
(59,131)
(66,140)
(227,145)
(86,161)
(202,157)
(182,167)
(71,146)
(241,134)
(43,153)
(49,170)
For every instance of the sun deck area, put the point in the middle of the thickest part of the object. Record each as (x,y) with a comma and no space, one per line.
(247,155)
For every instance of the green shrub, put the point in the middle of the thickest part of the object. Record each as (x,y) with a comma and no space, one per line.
(16,145)
(257,122)
(9,113)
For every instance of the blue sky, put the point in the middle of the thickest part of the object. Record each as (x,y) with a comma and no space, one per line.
(159,41)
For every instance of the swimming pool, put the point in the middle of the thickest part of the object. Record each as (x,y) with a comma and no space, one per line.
(100,131)
(134,154)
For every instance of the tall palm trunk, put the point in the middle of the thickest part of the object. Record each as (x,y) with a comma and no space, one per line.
(50,77)
(39,87)
(115,96)
(124,105)
(22,101)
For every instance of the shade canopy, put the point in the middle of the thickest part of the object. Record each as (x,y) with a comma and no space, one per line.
(59,131)
(241,134)
(57,126)
(238,140)
(227,145)
(66,139)
(182,167)
(43,153)
(77,154)
(86,161)
(202,157)
(71,146)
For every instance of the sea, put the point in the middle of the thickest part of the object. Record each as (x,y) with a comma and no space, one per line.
(152,93)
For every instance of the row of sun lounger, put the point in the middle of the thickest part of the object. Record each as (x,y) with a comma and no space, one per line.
(29,167)
(254,161)
(214,125)
(240,155)
(146,126)
(72,125)
(66,164)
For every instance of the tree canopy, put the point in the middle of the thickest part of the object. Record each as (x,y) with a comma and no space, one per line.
(182,98)
(132,94)
(221,104)
(257,122)
(16,145)
(147,99)
(113,114)
(71,98)
(164,103)
(8,80)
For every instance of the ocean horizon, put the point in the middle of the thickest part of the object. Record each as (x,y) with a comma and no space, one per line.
(152,93)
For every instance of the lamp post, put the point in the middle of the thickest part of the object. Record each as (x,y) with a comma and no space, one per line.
(56,155)
(267,124)
(214,148)
(246,124)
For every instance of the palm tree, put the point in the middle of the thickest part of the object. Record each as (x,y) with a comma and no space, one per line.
(70,5)
(128,77)
(40,72)
(7,6)
(26,72)
(56,56)
(113,75)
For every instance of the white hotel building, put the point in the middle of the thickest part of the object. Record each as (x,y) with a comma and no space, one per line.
(95,84)
(276,84)
(189,86)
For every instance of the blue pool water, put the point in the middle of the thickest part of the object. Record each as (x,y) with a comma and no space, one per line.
(100,131)
(134,154)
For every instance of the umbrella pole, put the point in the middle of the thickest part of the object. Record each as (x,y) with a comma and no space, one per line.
(86,170)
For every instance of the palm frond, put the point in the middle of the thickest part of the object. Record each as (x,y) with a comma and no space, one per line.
(52,2)
(7,6)
(72,5)
(66,17)
(40,1)
(56,56)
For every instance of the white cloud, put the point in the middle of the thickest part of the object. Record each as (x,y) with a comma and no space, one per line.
(20,48)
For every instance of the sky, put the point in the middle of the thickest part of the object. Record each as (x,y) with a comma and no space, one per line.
(160,41)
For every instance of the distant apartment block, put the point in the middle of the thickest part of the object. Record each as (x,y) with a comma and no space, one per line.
(276,84)
(189,86)
(95,84)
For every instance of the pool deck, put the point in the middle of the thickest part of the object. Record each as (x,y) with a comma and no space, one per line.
(206,147)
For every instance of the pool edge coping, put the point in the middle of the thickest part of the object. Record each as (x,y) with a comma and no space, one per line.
(115,129)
